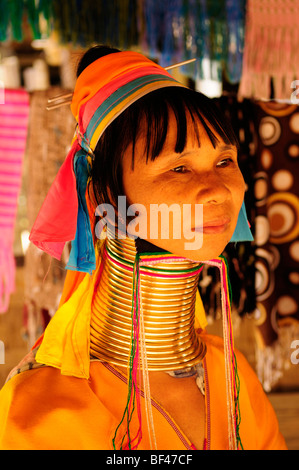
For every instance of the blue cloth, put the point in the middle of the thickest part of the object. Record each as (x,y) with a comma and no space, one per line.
(242,231)
(82,256)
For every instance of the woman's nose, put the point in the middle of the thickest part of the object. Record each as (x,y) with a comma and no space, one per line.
(212,190)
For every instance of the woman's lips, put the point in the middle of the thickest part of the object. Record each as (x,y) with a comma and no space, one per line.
(213,226)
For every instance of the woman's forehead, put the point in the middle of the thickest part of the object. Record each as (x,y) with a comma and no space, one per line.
(195,133)
(172,121)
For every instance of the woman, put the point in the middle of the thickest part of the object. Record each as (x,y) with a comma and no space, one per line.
(125,362)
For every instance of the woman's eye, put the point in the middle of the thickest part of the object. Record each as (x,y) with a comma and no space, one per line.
(180,169)
(225,162)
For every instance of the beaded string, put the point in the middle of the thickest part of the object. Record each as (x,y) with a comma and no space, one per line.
(133,397)
(146,384)
(232,378)
(146,262)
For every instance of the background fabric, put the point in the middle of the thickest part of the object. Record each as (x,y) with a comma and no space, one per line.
(277,237)
(49,138)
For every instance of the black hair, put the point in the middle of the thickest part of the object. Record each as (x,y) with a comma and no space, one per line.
(153,109)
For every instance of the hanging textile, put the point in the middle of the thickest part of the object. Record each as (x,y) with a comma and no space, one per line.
(14,111)
(100,22)
(14,12)
(271,50)
(113,23)
(49,137)
(277,241)
(170,31)
(164,26)
(210,30)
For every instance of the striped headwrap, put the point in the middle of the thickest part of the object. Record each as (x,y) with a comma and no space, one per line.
(103,91)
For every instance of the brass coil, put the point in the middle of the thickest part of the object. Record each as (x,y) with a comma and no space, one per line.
(168,306)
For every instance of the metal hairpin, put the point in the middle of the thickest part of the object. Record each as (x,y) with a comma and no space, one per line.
(66,98)
(180,64)
(59,100)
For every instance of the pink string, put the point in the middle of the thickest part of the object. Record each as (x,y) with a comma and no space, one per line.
(171,276)
(135,367)
(149,261)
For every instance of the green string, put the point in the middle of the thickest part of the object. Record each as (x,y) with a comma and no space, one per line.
(237,378)
(131,361)
(152,268)
(227,277)
(237,406)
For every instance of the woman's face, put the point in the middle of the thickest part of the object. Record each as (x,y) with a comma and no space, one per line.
(173,191)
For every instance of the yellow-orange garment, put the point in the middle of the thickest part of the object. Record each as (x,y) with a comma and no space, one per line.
(43,409)
(75,403)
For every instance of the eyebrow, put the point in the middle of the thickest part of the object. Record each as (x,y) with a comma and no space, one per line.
(221,148)
(224,148)
(172,156)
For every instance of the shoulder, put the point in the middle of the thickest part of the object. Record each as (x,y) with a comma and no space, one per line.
(57,411)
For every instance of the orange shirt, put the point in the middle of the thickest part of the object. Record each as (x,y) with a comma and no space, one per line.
(43,409)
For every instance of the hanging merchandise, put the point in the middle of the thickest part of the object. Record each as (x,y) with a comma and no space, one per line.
(271,51)
(210,30)
(13,14)
(14,112)
(235,15)
(164,30)
(170,31)
(87,22)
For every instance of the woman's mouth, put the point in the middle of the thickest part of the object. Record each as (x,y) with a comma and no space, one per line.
(213,226)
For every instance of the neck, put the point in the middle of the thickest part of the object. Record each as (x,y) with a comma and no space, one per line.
(164,287)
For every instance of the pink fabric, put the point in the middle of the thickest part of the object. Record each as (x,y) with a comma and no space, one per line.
(14,116)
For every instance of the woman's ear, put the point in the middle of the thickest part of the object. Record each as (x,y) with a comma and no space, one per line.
(110,217)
